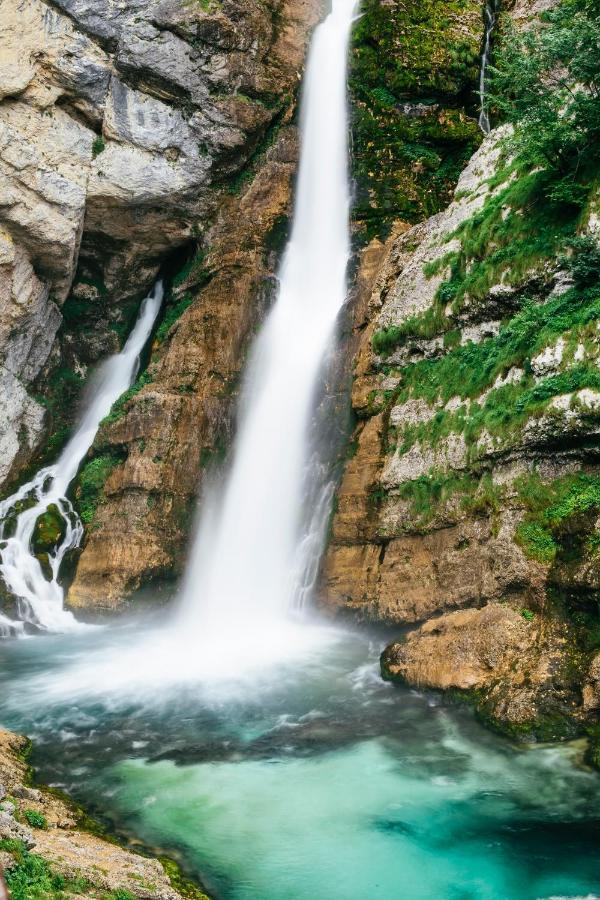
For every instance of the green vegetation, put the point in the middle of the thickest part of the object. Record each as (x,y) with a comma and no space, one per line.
(407,160)
(429,494)
(178,880)
(35,819)
(90,484)
(173,312)
(31,878)
(468,370)
(554,511)
(193,267)
(49,530)
(98,146)
(546,83)
(119,408)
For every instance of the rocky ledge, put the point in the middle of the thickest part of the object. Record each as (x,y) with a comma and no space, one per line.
(46,850)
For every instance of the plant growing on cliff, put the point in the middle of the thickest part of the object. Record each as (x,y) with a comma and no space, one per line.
(91,483)
(546,82)
(35,819)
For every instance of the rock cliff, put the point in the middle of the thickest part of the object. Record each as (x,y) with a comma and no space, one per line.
(121,126)
(470,497)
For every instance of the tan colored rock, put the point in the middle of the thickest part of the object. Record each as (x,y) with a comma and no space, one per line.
(464,649)
(591,686)
(412,577)
(184,413)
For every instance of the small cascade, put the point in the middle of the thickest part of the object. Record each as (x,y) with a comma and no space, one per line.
(490,14)
(37,590)
(256,553)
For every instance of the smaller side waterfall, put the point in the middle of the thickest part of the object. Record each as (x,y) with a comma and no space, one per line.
(40,596)
(490,13)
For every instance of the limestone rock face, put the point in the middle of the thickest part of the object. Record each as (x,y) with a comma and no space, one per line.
(469,501)
(120,126)
(465,649)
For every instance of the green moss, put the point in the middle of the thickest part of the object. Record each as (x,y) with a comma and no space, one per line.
(119,408)
(98,146)
(49,530)
(406,162)
(173,312)
(178,880)
(35,819)
(90,484)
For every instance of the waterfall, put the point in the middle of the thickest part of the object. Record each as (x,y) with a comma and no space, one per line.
(490,24)
(256,543)
(40,598)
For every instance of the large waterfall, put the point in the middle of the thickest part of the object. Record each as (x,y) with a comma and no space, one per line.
(261,530)
(250,558)
(40,598)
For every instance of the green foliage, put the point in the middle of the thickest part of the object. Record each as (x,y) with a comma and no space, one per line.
(119,408)
(546,81)
(35,819)
(553,509)
(32,878)
(98,146)
(91,481)
(528,615)
(536,541)
(195,267)
(429,494)
(172,314)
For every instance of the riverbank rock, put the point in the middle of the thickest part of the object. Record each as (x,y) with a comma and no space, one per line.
(56,836)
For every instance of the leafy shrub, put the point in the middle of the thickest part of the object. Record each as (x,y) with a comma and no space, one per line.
(35,819)
(98,146)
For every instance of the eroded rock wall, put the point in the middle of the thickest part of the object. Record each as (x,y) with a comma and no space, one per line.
(121,126)
(470,497)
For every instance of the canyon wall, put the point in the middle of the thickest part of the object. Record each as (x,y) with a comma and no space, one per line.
(122,126)
(470,497)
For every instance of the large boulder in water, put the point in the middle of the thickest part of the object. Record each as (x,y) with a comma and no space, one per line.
(49,530)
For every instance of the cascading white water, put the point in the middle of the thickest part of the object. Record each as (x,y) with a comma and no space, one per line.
(490,24)
(249,559)
(40,601)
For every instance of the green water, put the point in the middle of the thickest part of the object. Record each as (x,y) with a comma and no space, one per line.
(310,779)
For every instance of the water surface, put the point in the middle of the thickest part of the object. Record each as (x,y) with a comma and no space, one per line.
(308,777)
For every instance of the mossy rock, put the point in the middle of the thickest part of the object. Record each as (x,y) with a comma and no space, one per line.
(413,75)
(49,531)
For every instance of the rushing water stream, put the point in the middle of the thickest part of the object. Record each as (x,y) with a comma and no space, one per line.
(40,599)
(263,748)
